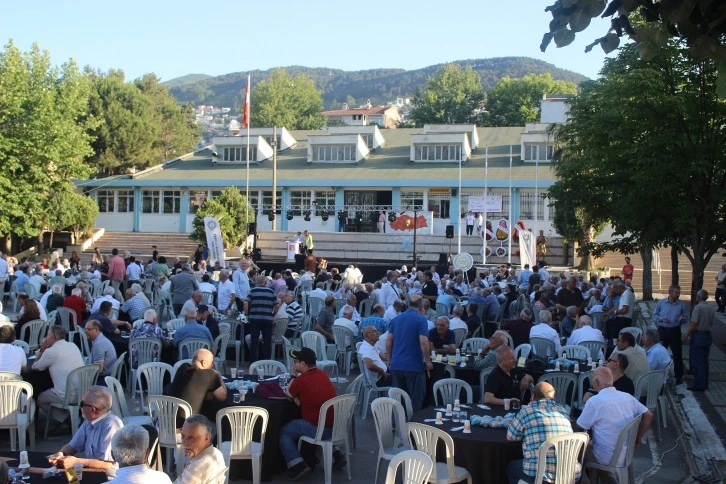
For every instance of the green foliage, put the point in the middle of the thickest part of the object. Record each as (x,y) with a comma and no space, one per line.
(68,210)
(43,139)
(452,96)
(378,85)
(282,100)
(516,102)
(229,209)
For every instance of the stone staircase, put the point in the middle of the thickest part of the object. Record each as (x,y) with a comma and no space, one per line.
(139,244)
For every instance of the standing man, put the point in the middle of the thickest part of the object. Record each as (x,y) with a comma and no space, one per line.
(260,307)
(408,347)
(699,330)
(183,286)
(429,289)
(720,288)
(389,292)
(541,250)
(241,283)
(382,222)
(470,223)
(627,270)
(226,292)
(116,272)
(308,240)
(670,313)
(3,271)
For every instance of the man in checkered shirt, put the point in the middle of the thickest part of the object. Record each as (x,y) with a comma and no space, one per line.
(541,419)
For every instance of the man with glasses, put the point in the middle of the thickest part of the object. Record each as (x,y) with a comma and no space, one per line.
(103,353)
(670,313)
(637,359)
(617,363)
(205,463)
(93,437)
(373,359)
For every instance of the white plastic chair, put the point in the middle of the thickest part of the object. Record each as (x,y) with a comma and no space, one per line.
(625,443)
(77,384)
(366,307)
(426,438)
(241,446)
(417,467)
(118,367)
(522,351)
(146,349)
(576,352)
(596,320)
(188,347)
(483,375)
(119,406)
(651,384)
(288,359)
(154,374)
(208,298)
(344,340)
(543,346)
(443,309)
(22,344)
(342,406)
(404,399)
(637,332)
(563,382)
(178,364)
(269,368)
(459,336)
(390,421)
(34,330)
(473,345)
(14,415)
(164,411)
(368,387)
(220,349)
(569,452)
(175,324)
(279,326)
(596,348)
(68,318)
(316,342)
(9,376)
(84,346)
(584,377)
(235,326)
(449,389)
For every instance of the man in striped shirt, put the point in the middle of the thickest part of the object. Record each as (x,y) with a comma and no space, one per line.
(294,313)
(260,306)
(205,463)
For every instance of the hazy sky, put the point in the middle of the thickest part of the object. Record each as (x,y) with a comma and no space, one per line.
(218,37)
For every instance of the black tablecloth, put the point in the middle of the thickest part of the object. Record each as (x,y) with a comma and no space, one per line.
(484,452)
(281,411)
(38,462)
(39,380)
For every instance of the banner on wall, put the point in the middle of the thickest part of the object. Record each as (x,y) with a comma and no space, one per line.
(490,203)
(526,248)
(214,241)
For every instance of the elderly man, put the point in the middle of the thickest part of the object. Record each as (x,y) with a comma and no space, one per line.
(607,413)
(346,321)
(389,292)
(103,316)
(541,419)
(226,292)
(376,319)
(657,356)
(148,329)
(205,463)
(702,319)
(567,325)
(397,308)
(489,353)
(519,329)
(670,313)
(545,330)
(318,292)
(429,314)
(191,330)
(441,338)
(192,303)
(325,320)
(457,322)
(260,307)
(12,358)
(506,381)
(491,305)
(293,311)
(376,368)
(617,364)
(60,358)
(55,300)
(637,360)
(351,301)
(183,286)
(107,296)
(130,449)
(133,308)
(624,312)
(198,382)
(93,437)
(103,353)
(568,296)
(585,332)
(471,319)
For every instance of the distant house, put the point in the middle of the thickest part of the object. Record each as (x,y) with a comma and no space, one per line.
(383,116)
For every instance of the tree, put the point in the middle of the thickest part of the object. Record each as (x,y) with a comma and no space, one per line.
(68,210)
(229,209)
(516,102)
(644,150)
(43,139)
(451,96)
(701,24)
(290,102)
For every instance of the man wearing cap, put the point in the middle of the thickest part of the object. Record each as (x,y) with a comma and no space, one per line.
(310,389)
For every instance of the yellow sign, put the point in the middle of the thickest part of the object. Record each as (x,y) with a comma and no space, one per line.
(439,191)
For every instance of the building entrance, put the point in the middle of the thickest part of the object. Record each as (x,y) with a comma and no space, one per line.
(362,207)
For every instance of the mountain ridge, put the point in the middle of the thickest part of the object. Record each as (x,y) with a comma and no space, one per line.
(377,85)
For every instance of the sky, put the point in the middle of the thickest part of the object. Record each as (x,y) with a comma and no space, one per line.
(217,37)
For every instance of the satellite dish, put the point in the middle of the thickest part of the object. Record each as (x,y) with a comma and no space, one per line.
(463,261)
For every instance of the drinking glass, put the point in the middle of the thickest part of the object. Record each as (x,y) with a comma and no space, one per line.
(455,416)
(463,416)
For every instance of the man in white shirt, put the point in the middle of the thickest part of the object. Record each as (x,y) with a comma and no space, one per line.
(133,271)
(585,332)
(12,358)
(61,358)
(470,223)
(376,368)
(389,292)
(544,330)
(351,301)
(396,309)
(318,292)
(205,462)
(130,449)
(607,413)
(456,322)
(226,291)
(206,286)
(3,270)
(241,282)
(37,279)
(108,294)
(347,322)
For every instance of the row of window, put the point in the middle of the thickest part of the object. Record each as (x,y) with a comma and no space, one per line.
(437,152)
(541,152)
(334,153)
(238,153)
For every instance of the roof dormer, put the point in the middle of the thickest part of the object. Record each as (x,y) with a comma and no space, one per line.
(284,139)
(440,148)
(337,148)
(469,129)
(370,134)
(233,149)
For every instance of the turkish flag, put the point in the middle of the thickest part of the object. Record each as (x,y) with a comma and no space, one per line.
(246,114)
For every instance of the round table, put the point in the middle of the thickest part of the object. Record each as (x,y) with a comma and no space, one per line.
(39,461)
(484,452)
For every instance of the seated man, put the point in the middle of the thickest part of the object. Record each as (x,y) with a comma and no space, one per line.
(325,320)
(205,318)
(585,332)
(394,310)
(657,356)
(198,382)
(377,369)
(546,331)
(472,320)
(489,353)
(441,338)
(310,389)
(607,413)
(506,380)
(130,449)
(456,322)
(12,358)
(192,303)
(103,353)
(376,319)
(617,363)
(293,311)
(103,316)
(93,437)
(567,325)
(205,463)
(347,322)
(148,329)
(133,308)
(107,296)
(637,359)
(519,329)
(541,419)
(191,330)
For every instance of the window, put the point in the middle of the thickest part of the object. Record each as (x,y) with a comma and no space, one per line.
(527,203)
(172,201)
(268,138)
(301,202)
(368,138)
(505,204)
(440,210)
(412,200)
(125,201)
(105,200)
(150,201)
(267,202)
(541,152)
(325,201)
(239,153)
(196,199)
(437,152)
(334,153)
(254,200)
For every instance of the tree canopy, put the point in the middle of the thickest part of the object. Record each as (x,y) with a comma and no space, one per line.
(293,102)
(644,150)
(452,96)
(516,102)
(229,208)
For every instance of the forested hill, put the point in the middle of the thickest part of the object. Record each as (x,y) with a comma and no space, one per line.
(378,85)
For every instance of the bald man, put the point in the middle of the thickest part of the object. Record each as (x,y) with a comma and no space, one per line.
(541,419)
(198,382)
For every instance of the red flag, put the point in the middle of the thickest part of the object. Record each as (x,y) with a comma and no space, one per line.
(246,114)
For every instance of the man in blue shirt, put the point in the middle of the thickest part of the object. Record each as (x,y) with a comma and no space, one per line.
(376,319)
(191,329)
(524,276)
(669,315)
(408,347)
(658,357)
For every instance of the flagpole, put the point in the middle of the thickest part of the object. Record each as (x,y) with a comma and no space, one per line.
(536,195)
(459,214)
(509,255)
(246,118)
(486,189)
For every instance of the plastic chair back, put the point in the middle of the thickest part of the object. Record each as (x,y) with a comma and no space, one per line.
(118,366)
(426,440)
(178,365)
(459,336)
(522,350)
(474,344)
(268,367)
(164,410)
(402,397)
(243,421)
(154,374)
(581,389)
(11,402)
(22,344)
(342,406)
(316,342)
(387,412)
(417,467)
(147,350)
(366,307)
(447,390)
(542,346)
(33,329)
(565,451)
(9,376)
(188,347)
(443,309)
(565,385)
(67,318)
(175,324)
(637,332)
(576,352)
(119,406)
(596,348)
(650,384)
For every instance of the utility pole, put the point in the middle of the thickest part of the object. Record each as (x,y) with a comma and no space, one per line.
(274,178)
